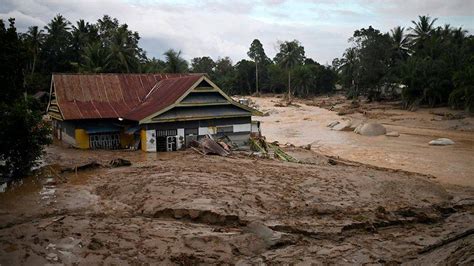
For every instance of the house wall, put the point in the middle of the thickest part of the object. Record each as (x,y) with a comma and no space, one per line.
(237,129)
(74,132)
(64,131)
(82,139)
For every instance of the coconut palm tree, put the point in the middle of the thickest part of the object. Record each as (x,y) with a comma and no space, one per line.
(34,38)
(422,29)
(122,56)
(400,42)
(290,55)
(94,59)
(349,69)
(56,50)
(174,62)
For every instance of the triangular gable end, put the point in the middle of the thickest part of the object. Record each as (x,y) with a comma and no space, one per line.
(209,86)
(53,108)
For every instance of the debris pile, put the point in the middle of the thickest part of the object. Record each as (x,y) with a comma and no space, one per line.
(208,145)
(118,162)
(266,150)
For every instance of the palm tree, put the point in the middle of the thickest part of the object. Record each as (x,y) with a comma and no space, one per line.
(174,62)
(349,70)
(400,42)
(291,54)
(34,39)
(422,29)
(94,59)
(57,45)
(121,55)
(58,26)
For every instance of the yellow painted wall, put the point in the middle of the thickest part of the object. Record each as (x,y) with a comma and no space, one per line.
(82,139)
(126,140)
(143,139)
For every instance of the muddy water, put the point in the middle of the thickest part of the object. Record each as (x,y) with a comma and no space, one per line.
(308,124)
(40,188)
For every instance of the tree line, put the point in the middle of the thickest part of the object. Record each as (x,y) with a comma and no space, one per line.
(107,46)
(422,65)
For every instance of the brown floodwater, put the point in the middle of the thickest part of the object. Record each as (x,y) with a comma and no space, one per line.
(303,124)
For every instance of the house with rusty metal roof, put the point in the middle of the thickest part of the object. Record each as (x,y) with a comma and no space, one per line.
(157,112)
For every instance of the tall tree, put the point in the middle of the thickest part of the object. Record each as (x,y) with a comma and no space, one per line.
(257,54)
(94,59)
(244,77)
(56,52)
(34,39)
(224,73)
(374,54)
(153,66)
(290,55)
(400,42)
(421,30)
(23,132)
(82,35)
(348,69)
(203,64)
(174,62)
(122,55)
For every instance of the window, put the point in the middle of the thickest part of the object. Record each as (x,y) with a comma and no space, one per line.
(108,141)
(225,129)
(166,132)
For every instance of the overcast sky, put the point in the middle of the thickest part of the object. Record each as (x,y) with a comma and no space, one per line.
(226,28)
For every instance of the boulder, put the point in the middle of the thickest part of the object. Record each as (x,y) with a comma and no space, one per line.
(371,129)
(393,134)
(441,142)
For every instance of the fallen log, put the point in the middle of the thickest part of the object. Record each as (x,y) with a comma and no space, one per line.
(446,241)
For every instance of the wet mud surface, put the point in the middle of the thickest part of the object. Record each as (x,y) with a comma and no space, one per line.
(184,208)
(305,122)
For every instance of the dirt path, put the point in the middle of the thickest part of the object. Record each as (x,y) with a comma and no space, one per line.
(183,208)
(304,124)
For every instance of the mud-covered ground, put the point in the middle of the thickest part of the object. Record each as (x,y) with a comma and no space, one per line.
(185,208)
(305,122)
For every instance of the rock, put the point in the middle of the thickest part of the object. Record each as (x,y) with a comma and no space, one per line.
(371,129)
(306,147)
(332,124)
(393,134)
(52,257)
(343,126)
(270,237)
(357,129)
(441,142)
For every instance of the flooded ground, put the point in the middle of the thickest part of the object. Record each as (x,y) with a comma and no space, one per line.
(184,208)
(303,124)
(383,201)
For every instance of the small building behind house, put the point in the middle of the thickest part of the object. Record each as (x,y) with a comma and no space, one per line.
(154,112)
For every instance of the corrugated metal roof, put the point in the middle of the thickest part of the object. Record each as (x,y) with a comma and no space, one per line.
(164,94)
(131,96)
